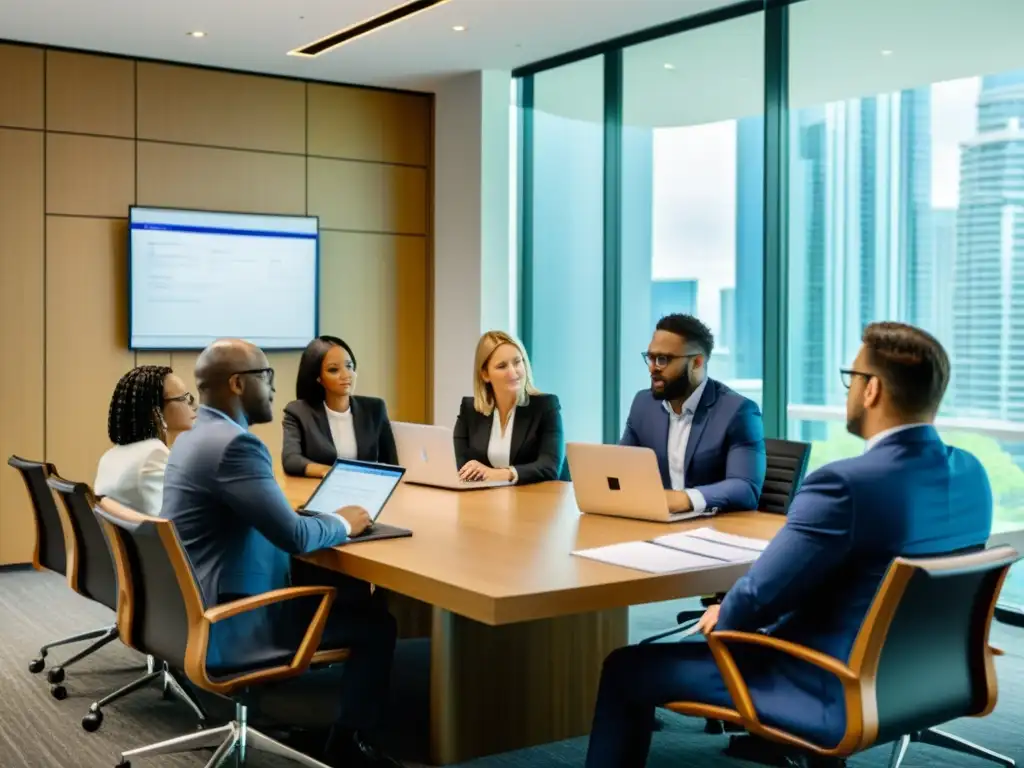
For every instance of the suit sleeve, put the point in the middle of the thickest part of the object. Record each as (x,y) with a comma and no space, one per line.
(745,464)
(551,451)
(629,436)
(151,482)
(460,437)
(291,449)
(387,451)
(816,538)
(246,481)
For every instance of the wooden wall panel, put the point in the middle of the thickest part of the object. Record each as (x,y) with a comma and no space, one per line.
(363,124)
(220,179)
(21,331)
(90,94)
(86,337)
(89,175)
(368,197)
(383,319)
(21,86)
(221,109)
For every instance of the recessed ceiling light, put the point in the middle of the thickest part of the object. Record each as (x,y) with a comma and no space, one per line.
(197,33)
(670,66)
(459,28)
(886,52)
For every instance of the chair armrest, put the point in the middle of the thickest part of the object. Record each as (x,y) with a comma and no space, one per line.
(818,659)
(251,603)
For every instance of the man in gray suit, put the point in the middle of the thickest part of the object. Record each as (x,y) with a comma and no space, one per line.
(240,533)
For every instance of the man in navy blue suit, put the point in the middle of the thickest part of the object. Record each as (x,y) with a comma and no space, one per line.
(708,439)
(240,533)
(908,495)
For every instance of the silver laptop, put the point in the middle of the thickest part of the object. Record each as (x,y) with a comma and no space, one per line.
(620,480)
(428,454)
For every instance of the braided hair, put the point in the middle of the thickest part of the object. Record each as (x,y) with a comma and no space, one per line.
(137,395)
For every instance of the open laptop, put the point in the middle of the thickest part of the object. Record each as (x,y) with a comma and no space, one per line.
(428,455)
(362,484)
(620,480)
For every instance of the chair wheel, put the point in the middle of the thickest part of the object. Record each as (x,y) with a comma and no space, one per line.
(55,675)
(36,666)
(123,764)
(59,692)
(92,721)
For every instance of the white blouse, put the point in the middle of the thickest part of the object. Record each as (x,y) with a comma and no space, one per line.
(499,448)
(343,432)
(133,474)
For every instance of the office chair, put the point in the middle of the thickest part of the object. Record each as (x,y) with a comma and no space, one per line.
(167,618)
(94,578)
(55,550)
(893,693)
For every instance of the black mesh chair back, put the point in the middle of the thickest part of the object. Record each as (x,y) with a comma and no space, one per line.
(933,658)
(91,573)
(51,552)
(787,465)
(148,554)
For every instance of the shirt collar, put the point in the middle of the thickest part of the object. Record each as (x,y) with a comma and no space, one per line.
(221,415)
(690,404)
(876,439)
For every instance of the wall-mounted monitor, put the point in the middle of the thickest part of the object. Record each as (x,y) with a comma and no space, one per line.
(197,276)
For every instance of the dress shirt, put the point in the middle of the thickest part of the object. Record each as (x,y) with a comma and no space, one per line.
(679,425)
(499,449)
(343,432)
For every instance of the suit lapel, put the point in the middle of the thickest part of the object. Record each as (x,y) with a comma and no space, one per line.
(520,426)
(320,419)
(700,420)
(363,429)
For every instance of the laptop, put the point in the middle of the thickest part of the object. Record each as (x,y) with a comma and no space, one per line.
(622,481)
(362,484)
(428,454)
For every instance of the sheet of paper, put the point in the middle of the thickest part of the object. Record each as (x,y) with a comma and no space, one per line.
(645,556)
(732,540)
(700,546)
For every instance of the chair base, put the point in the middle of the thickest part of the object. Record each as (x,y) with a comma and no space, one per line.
(764,752)
(234,737)
(171,688)
(937,738)
(104,635)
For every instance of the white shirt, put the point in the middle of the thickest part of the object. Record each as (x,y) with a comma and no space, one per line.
(133,474)
(679,425)
(499,447)
(869,444)
(343,432)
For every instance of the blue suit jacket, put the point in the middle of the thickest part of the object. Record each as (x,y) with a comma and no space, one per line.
(909,495)
(725,458)
(237,527)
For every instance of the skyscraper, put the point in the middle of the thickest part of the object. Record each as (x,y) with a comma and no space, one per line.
(748,349)
(672,296)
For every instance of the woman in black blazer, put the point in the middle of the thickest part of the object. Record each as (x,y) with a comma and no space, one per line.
(508,430)
(327,421)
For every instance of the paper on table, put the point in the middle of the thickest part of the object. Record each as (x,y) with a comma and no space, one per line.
(730,539)
(701,546)
(645,556)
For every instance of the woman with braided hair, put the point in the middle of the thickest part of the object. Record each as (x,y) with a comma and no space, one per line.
(150,407)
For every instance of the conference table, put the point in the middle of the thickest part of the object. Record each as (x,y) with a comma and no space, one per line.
(519,627)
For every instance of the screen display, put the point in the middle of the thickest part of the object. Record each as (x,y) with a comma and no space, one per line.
(197,276)
(352,483)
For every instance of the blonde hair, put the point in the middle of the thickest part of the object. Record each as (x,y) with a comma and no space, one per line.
(483,392)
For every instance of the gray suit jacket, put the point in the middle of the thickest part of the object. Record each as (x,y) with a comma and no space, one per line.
(307,435)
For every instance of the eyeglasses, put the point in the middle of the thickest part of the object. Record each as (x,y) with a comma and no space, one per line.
(187,398)
(847,375)
(661,361)
(266,374)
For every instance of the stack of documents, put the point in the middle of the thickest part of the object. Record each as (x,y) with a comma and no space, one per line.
(675,552)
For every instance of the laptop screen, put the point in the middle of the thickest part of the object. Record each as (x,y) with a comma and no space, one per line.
(355,483)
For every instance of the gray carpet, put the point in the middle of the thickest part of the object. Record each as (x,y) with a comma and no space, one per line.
(37,731)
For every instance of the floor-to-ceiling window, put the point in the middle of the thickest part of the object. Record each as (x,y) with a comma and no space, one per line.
(693,196)
(906,202)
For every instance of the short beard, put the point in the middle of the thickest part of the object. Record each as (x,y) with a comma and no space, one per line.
(855,424)
(677,389)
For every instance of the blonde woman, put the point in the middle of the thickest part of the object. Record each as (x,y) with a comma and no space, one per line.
(507,430)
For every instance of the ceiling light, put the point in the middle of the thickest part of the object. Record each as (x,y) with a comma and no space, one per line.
(365,27)
(197,33)
(886,52)
(670,66)
(459,28)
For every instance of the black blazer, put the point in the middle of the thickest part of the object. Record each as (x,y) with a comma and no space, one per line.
(538,440)
(307,434)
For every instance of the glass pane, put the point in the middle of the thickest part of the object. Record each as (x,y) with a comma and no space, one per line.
(906,202)
(693,197)
(567,218)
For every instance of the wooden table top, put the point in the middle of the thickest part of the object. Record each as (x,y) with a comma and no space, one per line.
(503,555)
